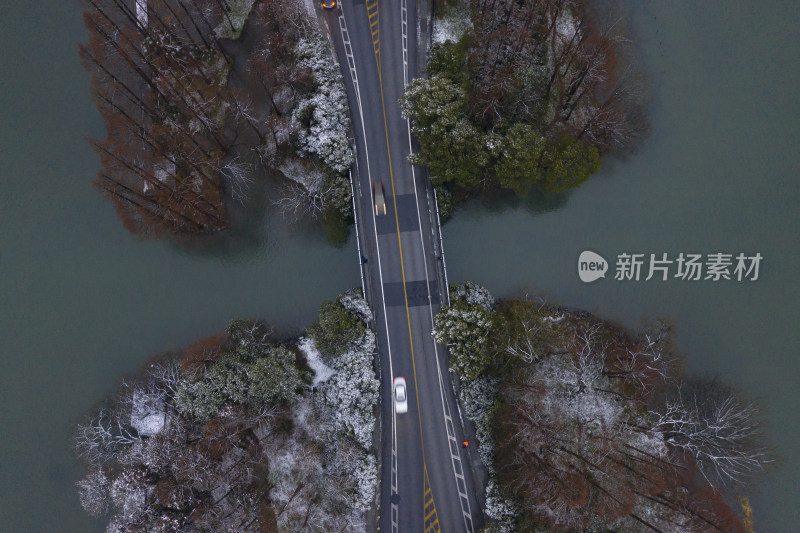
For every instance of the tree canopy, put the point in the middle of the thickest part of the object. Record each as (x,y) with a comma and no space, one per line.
(228,435)
(585,426)
(183,139)
(335,329)
(528,96)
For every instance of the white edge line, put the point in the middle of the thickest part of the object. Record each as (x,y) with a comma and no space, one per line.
(467,514)
(354,77)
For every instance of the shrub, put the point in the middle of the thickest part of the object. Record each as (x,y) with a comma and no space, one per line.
(335,330)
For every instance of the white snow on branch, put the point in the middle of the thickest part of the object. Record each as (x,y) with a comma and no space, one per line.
(148,413)
(473,294)
(326,111)
(352,392)
(356,305)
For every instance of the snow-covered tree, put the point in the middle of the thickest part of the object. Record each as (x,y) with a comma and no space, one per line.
(229,439)
(341,325)
(719,430)
(323,117)
(270,378)
(94,492)
(355,304)
(569,445)
(523,95)
(564,431)
(473,294)
(450,145)
(465,326)
(353,392)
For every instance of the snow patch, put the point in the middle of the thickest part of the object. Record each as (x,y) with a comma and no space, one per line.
(322,372)
(566,27)
(452,26)
(309,5)
(149,413)
(141,12)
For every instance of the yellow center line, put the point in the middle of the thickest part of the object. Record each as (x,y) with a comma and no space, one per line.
(376,45)
(399,243)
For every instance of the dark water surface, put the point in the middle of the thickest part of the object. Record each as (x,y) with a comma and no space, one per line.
(82,302)
(719,174)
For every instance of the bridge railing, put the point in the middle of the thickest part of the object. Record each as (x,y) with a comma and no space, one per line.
(441,247)
(358,237)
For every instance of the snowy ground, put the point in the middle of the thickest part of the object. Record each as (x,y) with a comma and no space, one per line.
(310,8)
(322,372)
(148,415)
(452,25)
(141,12)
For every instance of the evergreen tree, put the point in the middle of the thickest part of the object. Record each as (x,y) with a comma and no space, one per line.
(567,163)
(335,329)
(518,167)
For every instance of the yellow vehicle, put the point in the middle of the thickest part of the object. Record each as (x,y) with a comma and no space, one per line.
(328,4)
(379,198)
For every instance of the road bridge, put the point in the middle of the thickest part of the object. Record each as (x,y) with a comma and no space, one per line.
(426,480)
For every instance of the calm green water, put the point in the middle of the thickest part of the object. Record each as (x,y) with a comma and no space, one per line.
(719,173)
(83,303)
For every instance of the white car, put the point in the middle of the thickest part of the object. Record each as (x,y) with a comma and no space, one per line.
(400,396)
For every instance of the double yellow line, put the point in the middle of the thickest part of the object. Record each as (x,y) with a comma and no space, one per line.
(431,519)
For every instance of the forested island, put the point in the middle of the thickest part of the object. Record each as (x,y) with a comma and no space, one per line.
(581,426)
(195,113)
(518,96)
(585,426)
(242,431)
(523,95)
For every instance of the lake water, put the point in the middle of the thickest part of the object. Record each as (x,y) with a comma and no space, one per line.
(83,303)
(718,174)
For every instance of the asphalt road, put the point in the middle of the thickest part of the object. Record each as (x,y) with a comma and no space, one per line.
(426,482)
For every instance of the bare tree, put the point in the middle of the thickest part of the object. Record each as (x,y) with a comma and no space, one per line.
(239,177)
(575,442)
(103,435)
(528,331)
(714,426)
(556,64)
(94,492)
(159,91)
(166,376)
(298,202)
